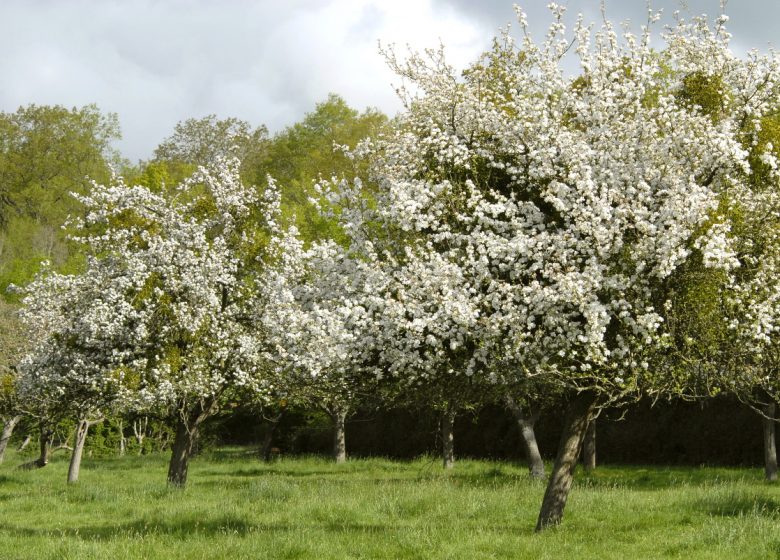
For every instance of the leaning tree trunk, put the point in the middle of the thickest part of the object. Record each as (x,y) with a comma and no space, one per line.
(268,439)
(589,446)
(770,449)
(448,437)
(339,416)
(187,428)
(578,414)
(8,429)
(78,448)
(25,443)
(526,424)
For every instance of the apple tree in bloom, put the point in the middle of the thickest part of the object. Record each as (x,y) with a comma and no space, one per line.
(173,284)
(78,351)
(724,321)
(323,325)
(750,297)
(751,302)
(564,205)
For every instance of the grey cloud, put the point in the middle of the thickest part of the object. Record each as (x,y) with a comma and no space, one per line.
(752,22)
(156,62)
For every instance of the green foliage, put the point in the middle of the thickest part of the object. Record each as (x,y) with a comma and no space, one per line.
(706,93)
(769,134)
(161,175)
(47,152)
(102,440)
(12,344)
(298,156)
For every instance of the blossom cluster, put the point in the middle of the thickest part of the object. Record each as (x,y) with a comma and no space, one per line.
(160,314)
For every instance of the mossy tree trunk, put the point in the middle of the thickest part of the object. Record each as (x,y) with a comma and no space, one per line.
(140,426)
(578,413)
(268,439)
(188,425)
(45,443)
(82,428)
(122,439)
(589,446)
(339,417)
(25,442)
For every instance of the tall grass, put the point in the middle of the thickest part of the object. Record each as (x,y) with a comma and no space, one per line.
(237,507)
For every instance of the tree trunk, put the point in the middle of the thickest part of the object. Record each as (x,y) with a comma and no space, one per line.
(578,413)
(47,436)
(139,431)
(182,450)
(186,439)
(122,441)
(448,438)
(770,449)
(589,447)
(78,449)
(268,439)
(528,435)
(8,429)
(25,443)
(339,435)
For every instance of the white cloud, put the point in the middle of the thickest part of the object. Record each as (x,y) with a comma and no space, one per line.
(156,62)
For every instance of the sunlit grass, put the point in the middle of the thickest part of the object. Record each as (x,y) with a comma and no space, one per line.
(237,507)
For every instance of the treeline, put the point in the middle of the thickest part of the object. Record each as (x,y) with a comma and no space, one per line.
(547,246)
(51,153)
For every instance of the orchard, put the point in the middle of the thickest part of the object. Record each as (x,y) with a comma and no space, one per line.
(578,221)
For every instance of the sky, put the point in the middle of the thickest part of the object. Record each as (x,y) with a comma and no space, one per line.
(157,62)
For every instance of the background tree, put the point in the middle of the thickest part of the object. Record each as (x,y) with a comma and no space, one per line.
(46,152)
(321,327)
(206,140)
(75,366)
(307,152)
(12,344)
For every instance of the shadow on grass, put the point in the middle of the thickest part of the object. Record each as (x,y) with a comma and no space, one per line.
(225,525)
(498,475)
(182,527)
(656,478)
(740,504)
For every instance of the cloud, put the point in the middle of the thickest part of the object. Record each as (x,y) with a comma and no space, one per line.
(156,62)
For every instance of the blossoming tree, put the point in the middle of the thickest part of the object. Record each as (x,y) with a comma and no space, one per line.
(70,370)
(322,328)
(750,302)
(567,203)
(169,291)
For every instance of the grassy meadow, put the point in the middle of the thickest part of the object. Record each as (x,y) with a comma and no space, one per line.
(238,507)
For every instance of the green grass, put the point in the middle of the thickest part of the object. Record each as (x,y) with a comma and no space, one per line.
(237,507)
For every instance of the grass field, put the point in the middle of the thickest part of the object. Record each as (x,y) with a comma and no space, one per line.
(237,507)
